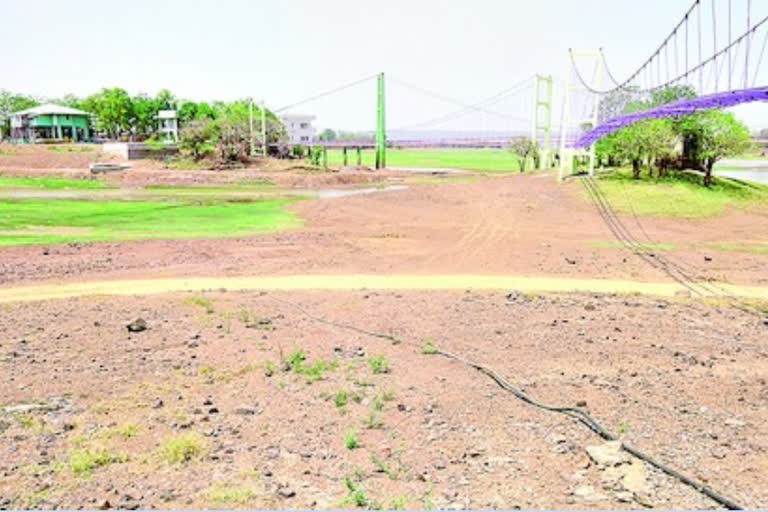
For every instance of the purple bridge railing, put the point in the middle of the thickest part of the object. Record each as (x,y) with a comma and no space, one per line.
(677,108)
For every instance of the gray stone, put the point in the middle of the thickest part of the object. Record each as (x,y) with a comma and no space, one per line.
(608,454)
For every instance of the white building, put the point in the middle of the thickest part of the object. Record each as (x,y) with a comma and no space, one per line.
(168,125)
(299,128)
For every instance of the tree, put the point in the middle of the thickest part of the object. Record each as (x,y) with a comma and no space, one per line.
(523,147)
(327,134)
(198,137)
(165,100)
(712,135)
(113,109)
(144,115)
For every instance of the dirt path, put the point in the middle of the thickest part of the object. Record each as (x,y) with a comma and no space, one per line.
(512,225)
(363,282)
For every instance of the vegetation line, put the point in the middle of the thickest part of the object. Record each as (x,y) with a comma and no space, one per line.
(577,413)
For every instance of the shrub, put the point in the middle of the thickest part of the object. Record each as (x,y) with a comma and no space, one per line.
(198,138)
(297,150)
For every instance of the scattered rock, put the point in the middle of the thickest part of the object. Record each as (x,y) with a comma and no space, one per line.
(719,452)
(438,464)
(635,479)
(137,325)
(581,403)
(707,258)
(608,454)
(624,496)
(157,404)
(733,422)
(285,491)
(245,410)
(104,505)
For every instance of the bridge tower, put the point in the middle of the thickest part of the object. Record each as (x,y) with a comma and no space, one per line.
(381,132)
(572,120)
(542,117)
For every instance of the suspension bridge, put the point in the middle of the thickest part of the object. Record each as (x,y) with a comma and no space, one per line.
(712,58)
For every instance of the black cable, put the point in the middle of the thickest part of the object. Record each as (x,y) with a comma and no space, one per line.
(576,413)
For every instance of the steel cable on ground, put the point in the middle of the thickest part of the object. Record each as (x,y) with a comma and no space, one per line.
(576,413)
(676,270)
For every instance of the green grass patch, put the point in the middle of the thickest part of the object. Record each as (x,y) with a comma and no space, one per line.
(679,194)
(182,448)
(84,461)
(50,182)
(32,221)
(749,247)
(475,159)
(226,495)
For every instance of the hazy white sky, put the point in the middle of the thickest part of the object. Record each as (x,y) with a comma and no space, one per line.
(284,51)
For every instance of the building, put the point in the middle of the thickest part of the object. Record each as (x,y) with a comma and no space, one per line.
(299,128)
(168,126)
(50,122)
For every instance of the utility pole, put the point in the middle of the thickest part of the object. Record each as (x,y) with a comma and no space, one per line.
(250,124)
(381,136)
(263,129)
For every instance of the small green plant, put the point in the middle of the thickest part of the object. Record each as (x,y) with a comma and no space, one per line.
(350,440)
(383,467)
(379,364)
(428,348)
(83,461)
(269,368)
(25,420)
(182,448)
(127,430)
(429,503)
(623,427)
(372,420)
(340,398)
(233,495)
(296,360)
(203,302)
(356,495)
(398,502)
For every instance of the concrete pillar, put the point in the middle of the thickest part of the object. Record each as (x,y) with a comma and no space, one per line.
(86,134)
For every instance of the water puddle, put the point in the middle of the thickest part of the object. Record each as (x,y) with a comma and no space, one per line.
(333,193)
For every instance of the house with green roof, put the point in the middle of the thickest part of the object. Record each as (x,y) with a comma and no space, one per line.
(50,122)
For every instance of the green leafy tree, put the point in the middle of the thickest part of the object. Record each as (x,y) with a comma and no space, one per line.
(144,115)
(10,103)
(113,109)
(712,135)
(165,100)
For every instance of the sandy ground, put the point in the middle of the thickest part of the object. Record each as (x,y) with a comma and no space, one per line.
(680,378)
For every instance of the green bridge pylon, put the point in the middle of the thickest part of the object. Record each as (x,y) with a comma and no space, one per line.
(381,133)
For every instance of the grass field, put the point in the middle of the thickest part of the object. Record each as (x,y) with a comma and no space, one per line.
(681,194)
(49,183)
(486,159)
(57,221)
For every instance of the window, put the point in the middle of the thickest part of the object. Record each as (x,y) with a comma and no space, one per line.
(304,138)
(304,126)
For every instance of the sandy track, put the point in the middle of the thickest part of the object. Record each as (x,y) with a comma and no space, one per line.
(368,282)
